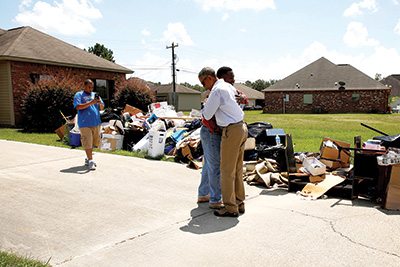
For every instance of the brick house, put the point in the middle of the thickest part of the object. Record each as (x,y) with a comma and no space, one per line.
(28,55)
(393,81)
(324,87)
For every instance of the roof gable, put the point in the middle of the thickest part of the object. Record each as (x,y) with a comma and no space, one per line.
(324,75)
(28,44)
(248,91)
(167,88)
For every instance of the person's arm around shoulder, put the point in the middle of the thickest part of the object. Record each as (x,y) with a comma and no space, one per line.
(212,104)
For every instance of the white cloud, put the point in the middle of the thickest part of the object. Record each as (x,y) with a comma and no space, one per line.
(396,2)
(357,8)
(397,27)
(236,5)
(152,67)
(177,33)
(357,35)
(25,3)
(385,61)
(81,46)
(225,17)
(145,32)
(68,17)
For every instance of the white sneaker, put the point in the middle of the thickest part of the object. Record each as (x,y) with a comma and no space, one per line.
(86,162)
(92,165)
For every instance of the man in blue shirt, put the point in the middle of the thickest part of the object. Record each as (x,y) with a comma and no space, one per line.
(89,105)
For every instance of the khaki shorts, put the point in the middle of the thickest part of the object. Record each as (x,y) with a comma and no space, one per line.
(90,137)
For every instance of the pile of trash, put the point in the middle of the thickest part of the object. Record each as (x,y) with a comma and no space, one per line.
(370,169)
(158,132)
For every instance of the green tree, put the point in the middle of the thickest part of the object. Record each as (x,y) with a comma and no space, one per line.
(248,83)
(101,51)
(378,76)
(194,87)
(260,84)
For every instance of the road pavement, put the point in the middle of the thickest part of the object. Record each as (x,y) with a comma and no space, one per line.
(140,212)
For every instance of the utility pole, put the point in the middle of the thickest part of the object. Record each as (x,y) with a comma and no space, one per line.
(173,74)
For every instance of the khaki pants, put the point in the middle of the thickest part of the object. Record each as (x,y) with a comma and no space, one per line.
(90,137)
(232,150)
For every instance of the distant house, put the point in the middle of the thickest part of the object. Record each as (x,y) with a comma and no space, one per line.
(256,98)
(186,98)
(393,81)
(28,55)
(324,87)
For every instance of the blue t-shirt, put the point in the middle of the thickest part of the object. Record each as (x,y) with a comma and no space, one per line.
(88,117)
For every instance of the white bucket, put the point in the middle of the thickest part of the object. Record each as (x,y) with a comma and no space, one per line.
(156,144)
(143,144)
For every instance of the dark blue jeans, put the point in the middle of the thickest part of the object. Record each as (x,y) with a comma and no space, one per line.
(210,175)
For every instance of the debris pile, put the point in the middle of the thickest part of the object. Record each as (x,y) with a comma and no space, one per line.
(368,170)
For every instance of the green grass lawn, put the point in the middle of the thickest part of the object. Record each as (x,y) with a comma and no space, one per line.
(11,260)
(307,130)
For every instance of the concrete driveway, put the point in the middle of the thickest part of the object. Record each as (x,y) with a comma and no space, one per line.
(138,212)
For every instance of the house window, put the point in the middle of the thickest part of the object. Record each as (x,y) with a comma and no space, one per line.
(355,97)
(308,99)
(35,77)
(105,88)
(161,98)
(45,77)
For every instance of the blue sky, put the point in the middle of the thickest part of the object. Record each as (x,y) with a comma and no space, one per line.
(259,39)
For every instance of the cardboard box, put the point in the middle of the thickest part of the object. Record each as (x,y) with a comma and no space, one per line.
(314,166)
(131,110)
(314,191)
(61,131)
(331,164)
(337,152)
(316,179)
(250,143)
(393,189)
(111,141)
(393,198)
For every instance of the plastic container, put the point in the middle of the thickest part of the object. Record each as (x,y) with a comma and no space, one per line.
(111,141)
(156,144)
(277,140)
(143,144)
(74,139)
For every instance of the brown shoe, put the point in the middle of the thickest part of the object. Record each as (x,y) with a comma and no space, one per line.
(225,213)
(241,208)
(216,205)
(203,199)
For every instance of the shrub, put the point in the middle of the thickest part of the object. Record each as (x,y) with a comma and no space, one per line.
(43,102)
(134,92)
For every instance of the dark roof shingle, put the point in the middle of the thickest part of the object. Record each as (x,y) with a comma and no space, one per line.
(28,44)
(248,91)
(167,88)
(324,75)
